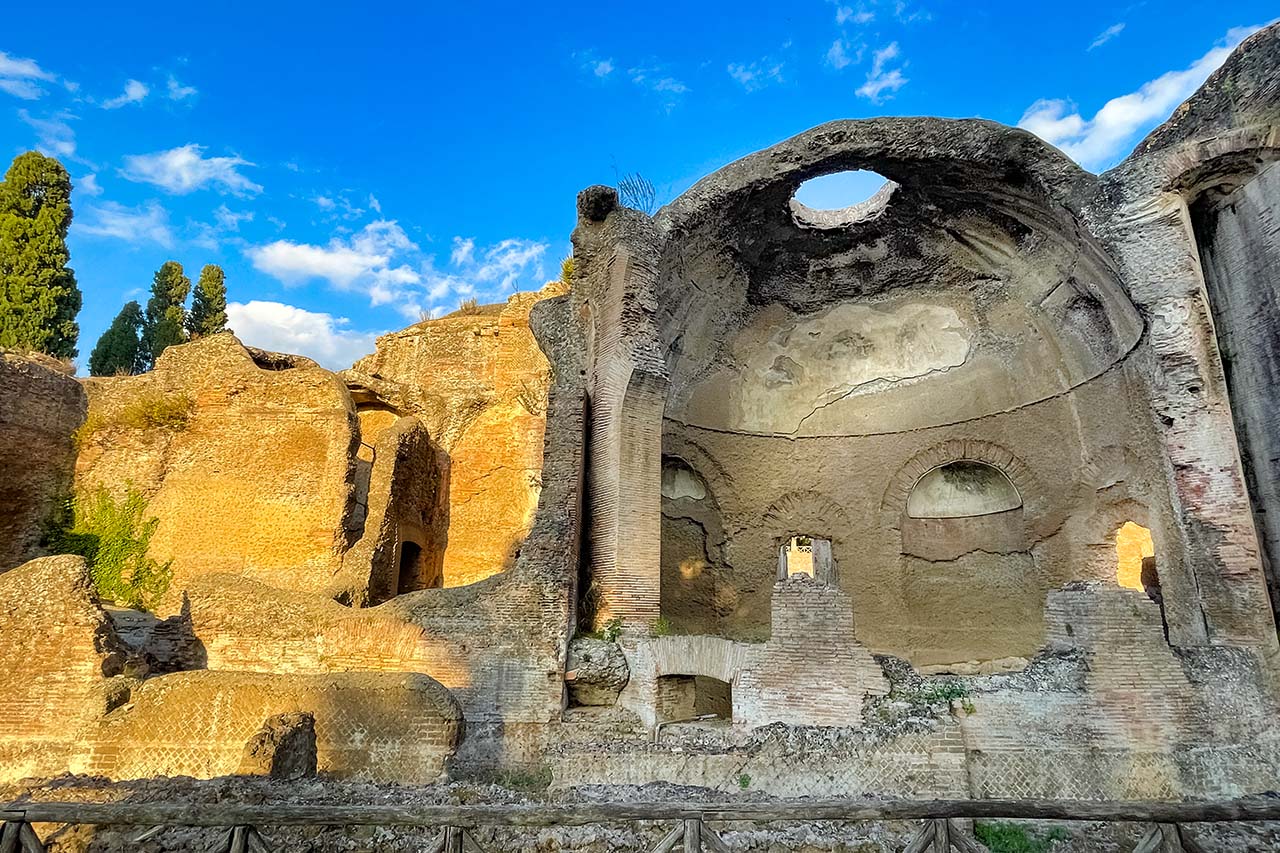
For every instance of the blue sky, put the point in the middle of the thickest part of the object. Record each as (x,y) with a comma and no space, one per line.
(352,169)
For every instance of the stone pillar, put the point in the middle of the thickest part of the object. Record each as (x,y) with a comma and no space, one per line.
(1151,235)
(627,391)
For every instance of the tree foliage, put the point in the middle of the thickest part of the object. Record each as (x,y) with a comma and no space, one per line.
(119,350)
(163,325)
(208,303)
(39,298)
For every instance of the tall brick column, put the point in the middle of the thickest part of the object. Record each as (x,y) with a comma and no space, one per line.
(617,250)
(1150,234)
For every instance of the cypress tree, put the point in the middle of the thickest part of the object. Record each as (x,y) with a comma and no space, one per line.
(39,299)
(119,350)
(208,303)
(162,327)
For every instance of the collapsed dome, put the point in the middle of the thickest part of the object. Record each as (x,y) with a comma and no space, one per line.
(967,263)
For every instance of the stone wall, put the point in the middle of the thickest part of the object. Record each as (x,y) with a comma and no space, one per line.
(381,727)
(58,656)
(936,591)
(478,380)
(813,672)
(810,672)
(40,407)
(1240,250)
(497,644)
(249,469)
(404,494)
(1142,215)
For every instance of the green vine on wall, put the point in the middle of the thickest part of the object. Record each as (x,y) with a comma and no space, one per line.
(113,537)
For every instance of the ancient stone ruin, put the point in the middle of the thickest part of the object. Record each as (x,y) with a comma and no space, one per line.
(968,490)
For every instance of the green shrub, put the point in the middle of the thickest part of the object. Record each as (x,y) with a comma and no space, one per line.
(528,779)
(157,411)
(1003,837)
(153,411)
(612,630)
(566,270)
(661,627)
(113,539)
(92,423)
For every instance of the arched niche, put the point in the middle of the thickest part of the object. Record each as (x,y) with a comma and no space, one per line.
(962,489)
(694,595)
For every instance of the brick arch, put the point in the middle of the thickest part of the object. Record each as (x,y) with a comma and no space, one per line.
(806,512)
(713,657)
(894,503)
(678,446)
(1193,166)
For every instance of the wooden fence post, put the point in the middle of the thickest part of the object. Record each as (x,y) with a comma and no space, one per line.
(939,835)
(18,835)
(693,836)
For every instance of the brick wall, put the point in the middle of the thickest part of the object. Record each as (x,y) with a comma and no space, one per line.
(379,727)
(813,671)
(40,407)
(57,651)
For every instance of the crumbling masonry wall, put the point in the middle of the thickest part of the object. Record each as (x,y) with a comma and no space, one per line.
(40,408)
(229,420)
(1240,253)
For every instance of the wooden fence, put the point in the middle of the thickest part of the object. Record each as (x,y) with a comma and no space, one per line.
(940,833)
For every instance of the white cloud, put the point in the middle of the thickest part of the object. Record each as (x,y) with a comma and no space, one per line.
(880,79)
(1107,35)
(370,261)
(756,75)
(224,228)
(148,223)
(900,12)
(179,92)
(592,64)
(509,261)
(374,204)
(88,185)
(490,274)
(229,219)
(55,137)
(463,251)
(135,92)
(338,206)
(656,80)
(186,169)
(294,263)
(382,262)
(845,14)
(838,56)
(22,77)
(1099,141)
(278,327)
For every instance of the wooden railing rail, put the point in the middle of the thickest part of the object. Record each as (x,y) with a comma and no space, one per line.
(941,832)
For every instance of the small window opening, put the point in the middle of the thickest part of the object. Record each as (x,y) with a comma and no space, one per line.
(410,560)
(797,556)
(1136,565)
(1136,559)
(415,570)
(691,698)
